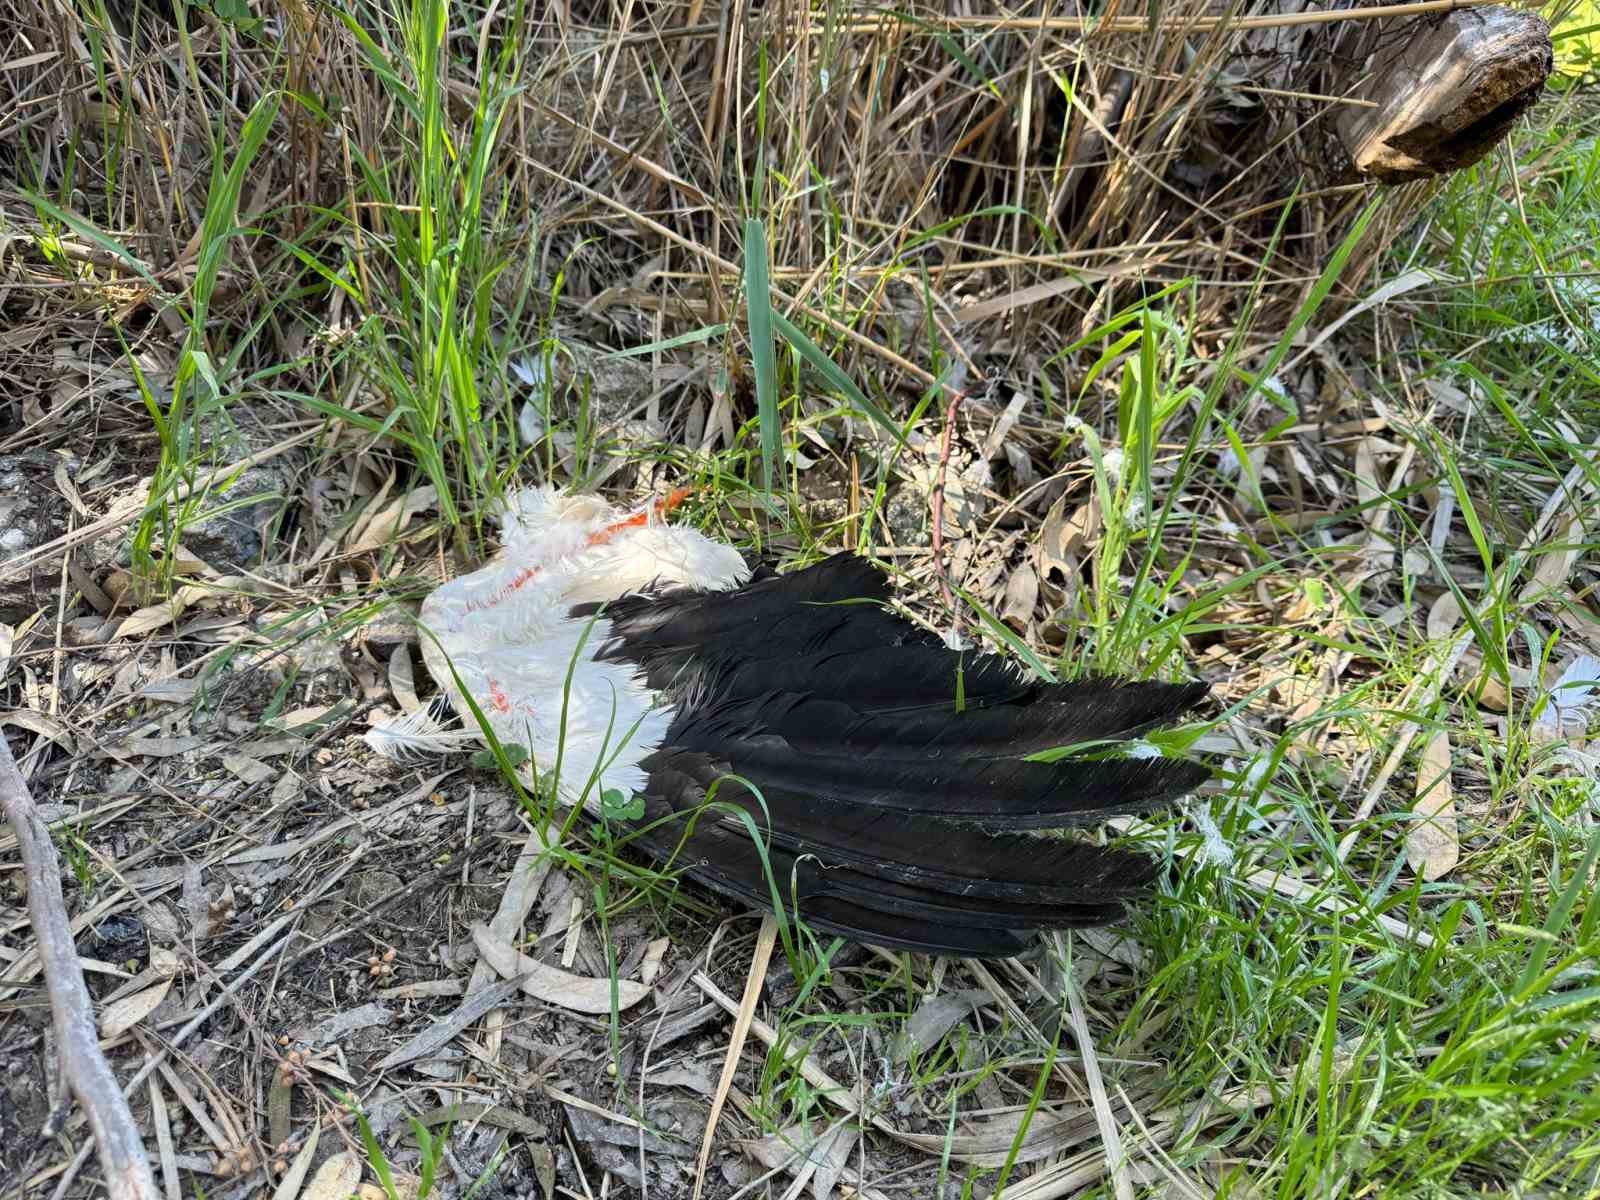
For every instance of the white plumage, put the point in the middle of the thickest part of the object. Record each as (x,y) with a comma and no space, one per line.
(503,636)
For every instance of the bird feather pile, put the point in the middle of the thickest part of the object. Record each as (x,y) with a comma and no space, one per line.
(891,780)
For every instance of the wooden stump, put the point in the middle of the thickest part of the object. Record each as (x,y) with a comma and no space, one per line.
(1446,94)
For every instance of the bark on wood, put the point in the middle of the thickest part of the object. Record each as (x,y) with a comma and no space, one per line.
(83,1066)
(1447,94)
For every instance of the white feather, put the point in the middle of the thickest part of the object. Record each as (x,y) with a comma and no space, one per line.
(503,636)
(414,734)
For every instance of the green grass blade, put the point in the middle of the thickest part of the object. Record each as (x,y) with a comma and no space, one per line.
(758,305)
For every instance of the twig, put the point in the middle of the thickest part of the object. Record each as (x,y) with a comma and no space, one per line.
(1088,26)
(957,395)
(741,1028)
(83,1067)
(1110,1135)
(154,1060)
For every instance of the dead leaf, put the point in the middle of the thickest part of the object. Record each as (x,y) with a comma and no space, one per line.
(1495,693)
(544,1168)
(374,506)
(577,993)
(993,1142)
(934,1018)
(1443,617)
(289,1186)
(1379,552)
(163,966)
(402,679)
(1572,697)
(117,1018)
(36,722)
(653,954)
(251,770)
(1555,566)
(1433,845)
(172,691)
(806,1156)
(1022,595)
(164,612)
(1001,430)
(304,716)
(695,1079)
(164,747)
(1065,537)
(391,521)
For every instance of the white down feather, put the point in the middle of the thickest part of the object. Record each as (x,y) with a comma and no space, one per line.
(505,631)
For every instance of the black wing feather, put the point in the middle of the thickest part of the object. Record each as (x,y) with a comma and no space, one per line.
(887,770)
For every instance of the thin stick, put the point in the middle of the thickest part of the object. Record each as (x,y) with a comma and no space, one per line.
(1105,1120)
(1089,26)
(83,1067)
(741,1030)
(956,397)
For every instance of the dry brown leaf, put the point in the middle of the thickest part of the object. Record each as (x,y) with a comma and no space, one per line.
(152,617)
(1491,693)
(402,679)
(186,562)
(1443,617)
(577,993)
(992,1142)
(36,722)
(164,747)
(934,1018)
(1495,694)
(289,1186)
(1555,566)
(1433,845)
(164,612)
(117,1018)
(251,770)
(406,1187)
(304,716)
(1379,552)
(1000,431)
(170,691)
(1065,537)
(392,520)
(1573,697)
(653,954)
(1022,595)
(809,1157)
(357,532)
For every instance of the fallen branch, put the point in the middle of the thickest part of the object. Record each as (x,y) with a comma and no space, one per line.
(83,1067)
(1446,96)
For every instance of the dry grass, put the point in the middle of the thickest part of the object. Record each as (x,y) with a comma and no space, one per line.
(1032,181)
(285,304)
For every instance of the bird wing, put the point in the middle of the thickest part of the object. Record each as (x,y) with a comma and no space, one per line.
(883,772)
